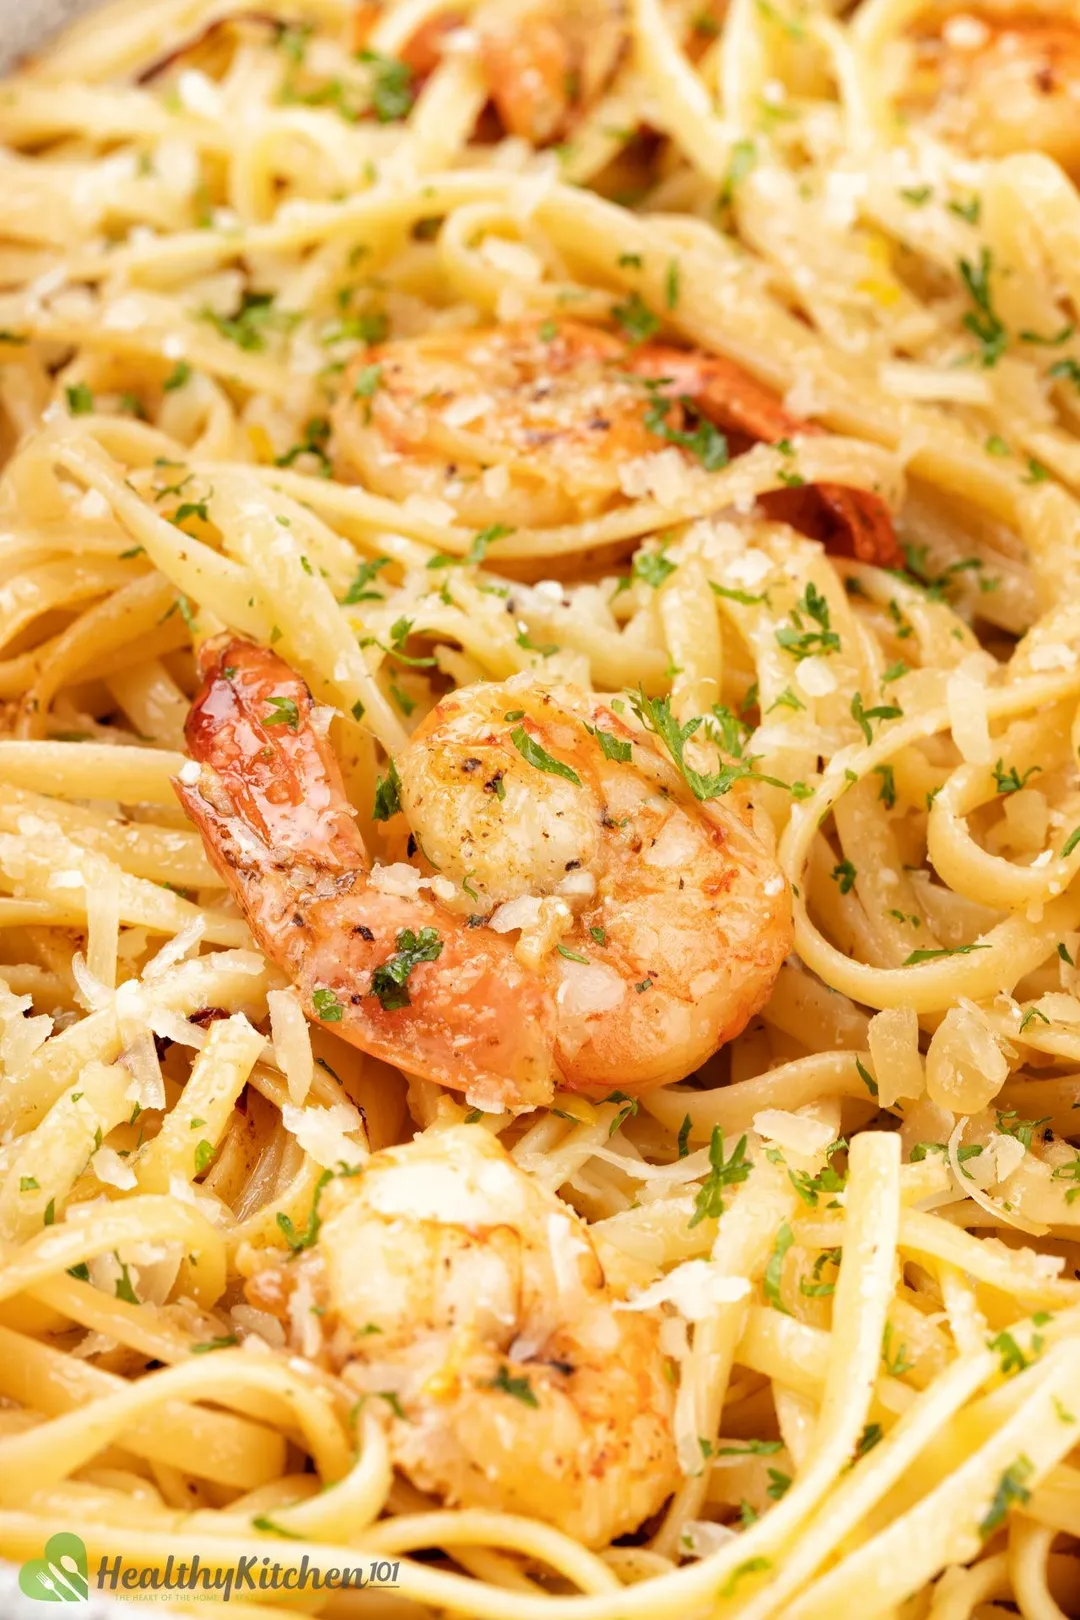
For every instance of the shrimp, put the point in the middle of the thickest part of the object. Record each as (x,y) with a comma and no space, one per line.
(472,1300)
(562,406)
(651,926)
(1000,83)
(545,62)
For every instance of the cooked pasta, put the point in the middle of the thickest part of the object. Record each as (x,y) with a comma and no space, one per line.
(540,804)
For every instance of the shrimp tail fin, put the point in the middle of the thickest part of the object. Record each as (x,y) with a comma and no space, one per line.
(848,522)
(267,764)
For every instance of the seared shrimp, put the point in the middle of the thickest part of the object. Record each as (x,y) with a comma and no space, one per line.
(545,62)
(652,927)
(471,1299)
(999,83)
(562,407)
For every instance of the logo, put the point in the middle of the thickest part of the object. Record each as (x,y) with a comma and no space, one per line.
(61,1576)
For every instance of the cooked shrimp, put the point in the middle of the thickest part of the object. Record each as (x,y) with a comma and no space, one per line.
(1000,83)
(562,407)
(545,62)
(472,1298)
(652,926)
(271,807)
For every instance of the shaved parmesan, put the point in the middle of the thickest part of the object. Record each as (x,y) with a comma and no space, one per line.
(292,1041)
(111,1169)
(797,1132)
(965,698)
(332,1135)
(696,1289)
(893,1038)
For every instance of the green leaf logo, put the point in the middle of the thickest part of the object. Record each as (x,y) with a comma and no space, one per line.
(61,1575)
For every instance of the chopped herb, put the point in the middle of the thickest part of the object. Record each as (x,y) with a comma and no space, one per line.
(1013,1359)
(996,446)
(801,642)
(389,981)
(124,1290)
(305,1239)
(917,195)
(945,950)
(871,1436)
(179,375)
(684,1136)
(1061,336)
(628,1107)
(742,160)
(1011,781)
(286,713)
(519,1388)
(392,92)
(533,754)
(899,1362)
(28,1184)
(744,598)
(863,717)
(204,1152)
(571,956)
(220,1342)
(751,1448)
(1063,952)
(779,1484)
(969,210)
(1030,1017)
(671,284)
(1023,1129)
(655,713)
(774,1271)
(652,567)
(749,1566)
(709,1203)
(477,549)
(249,326)
(1010,1489)
(887,790)
(1071,842)
(367,382)
(316,434)
(635,319)
(705,442)
(365,573)
(786,700)
(922,1149)
(613,747)
(387,794)
(1069,1172)
(1036,473)
(327,1006)
(80,400)
(983,322)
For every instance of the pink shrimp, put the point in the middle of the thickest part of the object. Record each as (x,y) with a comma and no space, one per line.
(651,926)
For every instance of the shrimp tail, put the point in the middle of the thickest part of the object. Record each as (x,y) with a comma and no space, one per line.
(849,522)
(400,977)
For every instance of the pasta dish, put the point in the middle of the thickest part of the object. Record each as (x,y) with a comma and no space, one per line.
(540,806)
